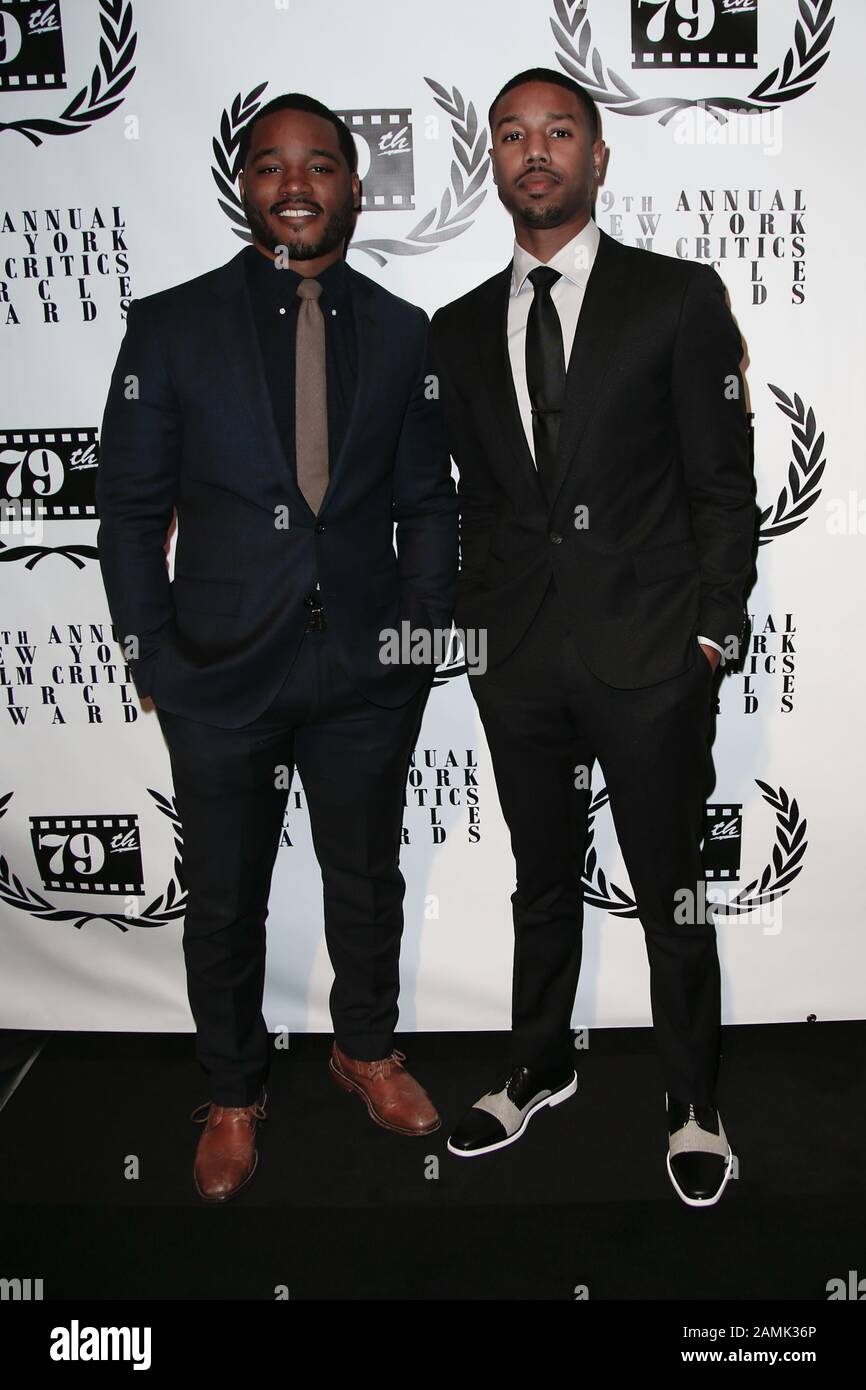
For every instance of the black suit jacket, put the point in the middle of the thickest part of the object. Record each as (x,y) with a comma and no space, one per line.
(217,642)
(653,442)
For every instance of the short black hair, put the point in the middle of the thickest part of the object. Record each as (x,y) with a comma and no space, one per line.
(559,79)
(298,101)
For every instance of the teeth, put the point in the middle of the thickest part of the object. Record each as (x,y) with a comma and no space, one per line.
(296,212)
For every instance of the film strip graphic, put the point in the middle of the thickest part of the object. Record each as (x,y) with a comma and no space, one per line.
(698,60)
(31,46)
(389,183)
(88,854)
(718,34)
(49,474)
(723,838)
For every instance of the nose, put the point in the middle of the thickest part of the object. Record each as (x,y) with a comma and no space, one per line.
(535,149)
(294,183)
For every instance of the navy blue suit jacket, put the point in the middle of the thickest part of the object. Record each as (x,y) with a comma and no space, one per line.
(189,424)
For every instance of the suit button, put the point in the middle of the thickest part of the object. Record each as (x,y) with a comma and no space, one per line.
(556,538)
(319,528)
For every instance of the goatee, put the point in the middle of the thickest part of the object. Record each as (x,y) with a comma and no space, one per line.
(336,230)
(550,216)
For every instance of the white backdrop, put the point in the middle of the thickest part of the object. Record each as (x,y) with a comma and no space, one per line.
(123,195)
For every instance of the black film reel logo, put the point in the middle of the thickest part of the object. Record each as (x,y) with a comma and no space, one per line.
(50,473)
(88,854)
(389,183)
(723,839)
(694,33)
(31,46)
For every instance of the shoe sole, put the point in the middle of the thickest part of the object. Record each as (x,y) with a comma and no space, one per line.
(555,1099)
(227,1196)
(703,1201)
(346,1084)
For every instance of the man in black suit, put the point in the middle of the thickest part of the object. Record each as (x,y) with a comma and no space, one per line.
(282,404)
(607,537)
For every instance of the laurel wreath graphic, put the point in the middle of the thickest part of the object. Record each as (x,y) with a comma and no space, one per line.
(32,554)
(90,105)
(597,891)
(468,144)
(225,153)
(792,79)
(168,907)
(774,882)
(804,473)
(790,847)
(458,203)
(454,663)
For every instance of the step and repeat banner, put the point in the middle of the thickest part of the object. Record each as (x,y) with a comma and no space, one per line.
(735,130)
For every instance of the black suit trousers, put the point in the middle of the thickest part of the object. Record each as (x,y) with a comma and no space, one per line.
(353,759)
(546,717)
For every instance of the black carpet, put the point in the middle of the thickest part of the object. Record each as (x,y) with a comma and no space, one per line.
(340,1209)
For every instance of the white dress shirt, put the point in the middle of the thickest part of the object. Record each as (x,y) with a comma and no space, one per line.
(574,261)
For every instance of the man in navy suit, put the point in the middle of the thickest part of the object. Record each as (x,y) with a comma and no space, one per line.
(283,405)
(596,414)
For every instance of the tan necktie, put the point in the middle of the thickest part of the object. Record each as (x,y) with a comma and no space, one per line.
(311,397)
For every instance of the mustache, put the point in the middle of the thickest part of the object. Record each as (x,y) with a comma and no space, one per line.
(534,174)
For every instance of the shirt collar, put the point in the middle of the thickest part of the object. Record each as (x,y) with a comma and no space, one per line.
(278,286)
(574,260)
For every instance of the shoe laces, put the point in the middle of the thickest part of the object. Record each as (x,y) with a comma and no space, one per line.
(256,1110)
(382,1066)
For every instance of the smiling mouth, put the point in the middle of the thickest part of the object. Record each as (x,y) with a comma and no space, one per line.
(296,214)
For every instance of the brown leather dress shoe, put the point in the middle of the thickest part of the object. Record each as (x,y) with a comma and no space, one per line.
(226,1156)
(393,1098)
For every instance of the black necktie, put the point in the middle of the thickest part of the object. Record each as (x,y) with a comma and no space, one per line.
(545,373)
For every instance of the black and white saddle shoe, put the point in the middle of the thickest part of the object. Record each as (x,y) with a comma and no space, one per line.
(699,1155)
(501,1116)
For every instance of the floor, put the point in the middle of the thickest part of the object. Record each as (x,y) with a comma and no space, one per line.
(97,1199)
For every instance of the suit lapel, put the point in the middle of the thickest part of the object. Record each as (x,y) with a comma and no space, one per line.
(369,338)
(491,331)
(599,328)
(239,347)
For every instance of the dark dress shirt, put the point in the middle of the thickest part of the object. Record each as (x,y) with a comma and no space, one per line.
(274,298)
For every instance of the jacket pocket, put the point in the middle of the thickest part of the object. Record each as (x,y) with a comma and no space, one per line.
(665,561)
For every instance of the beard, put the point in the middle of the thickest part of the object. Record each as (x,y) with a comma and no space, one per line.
(534,216)
(336,230)
(565,201)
